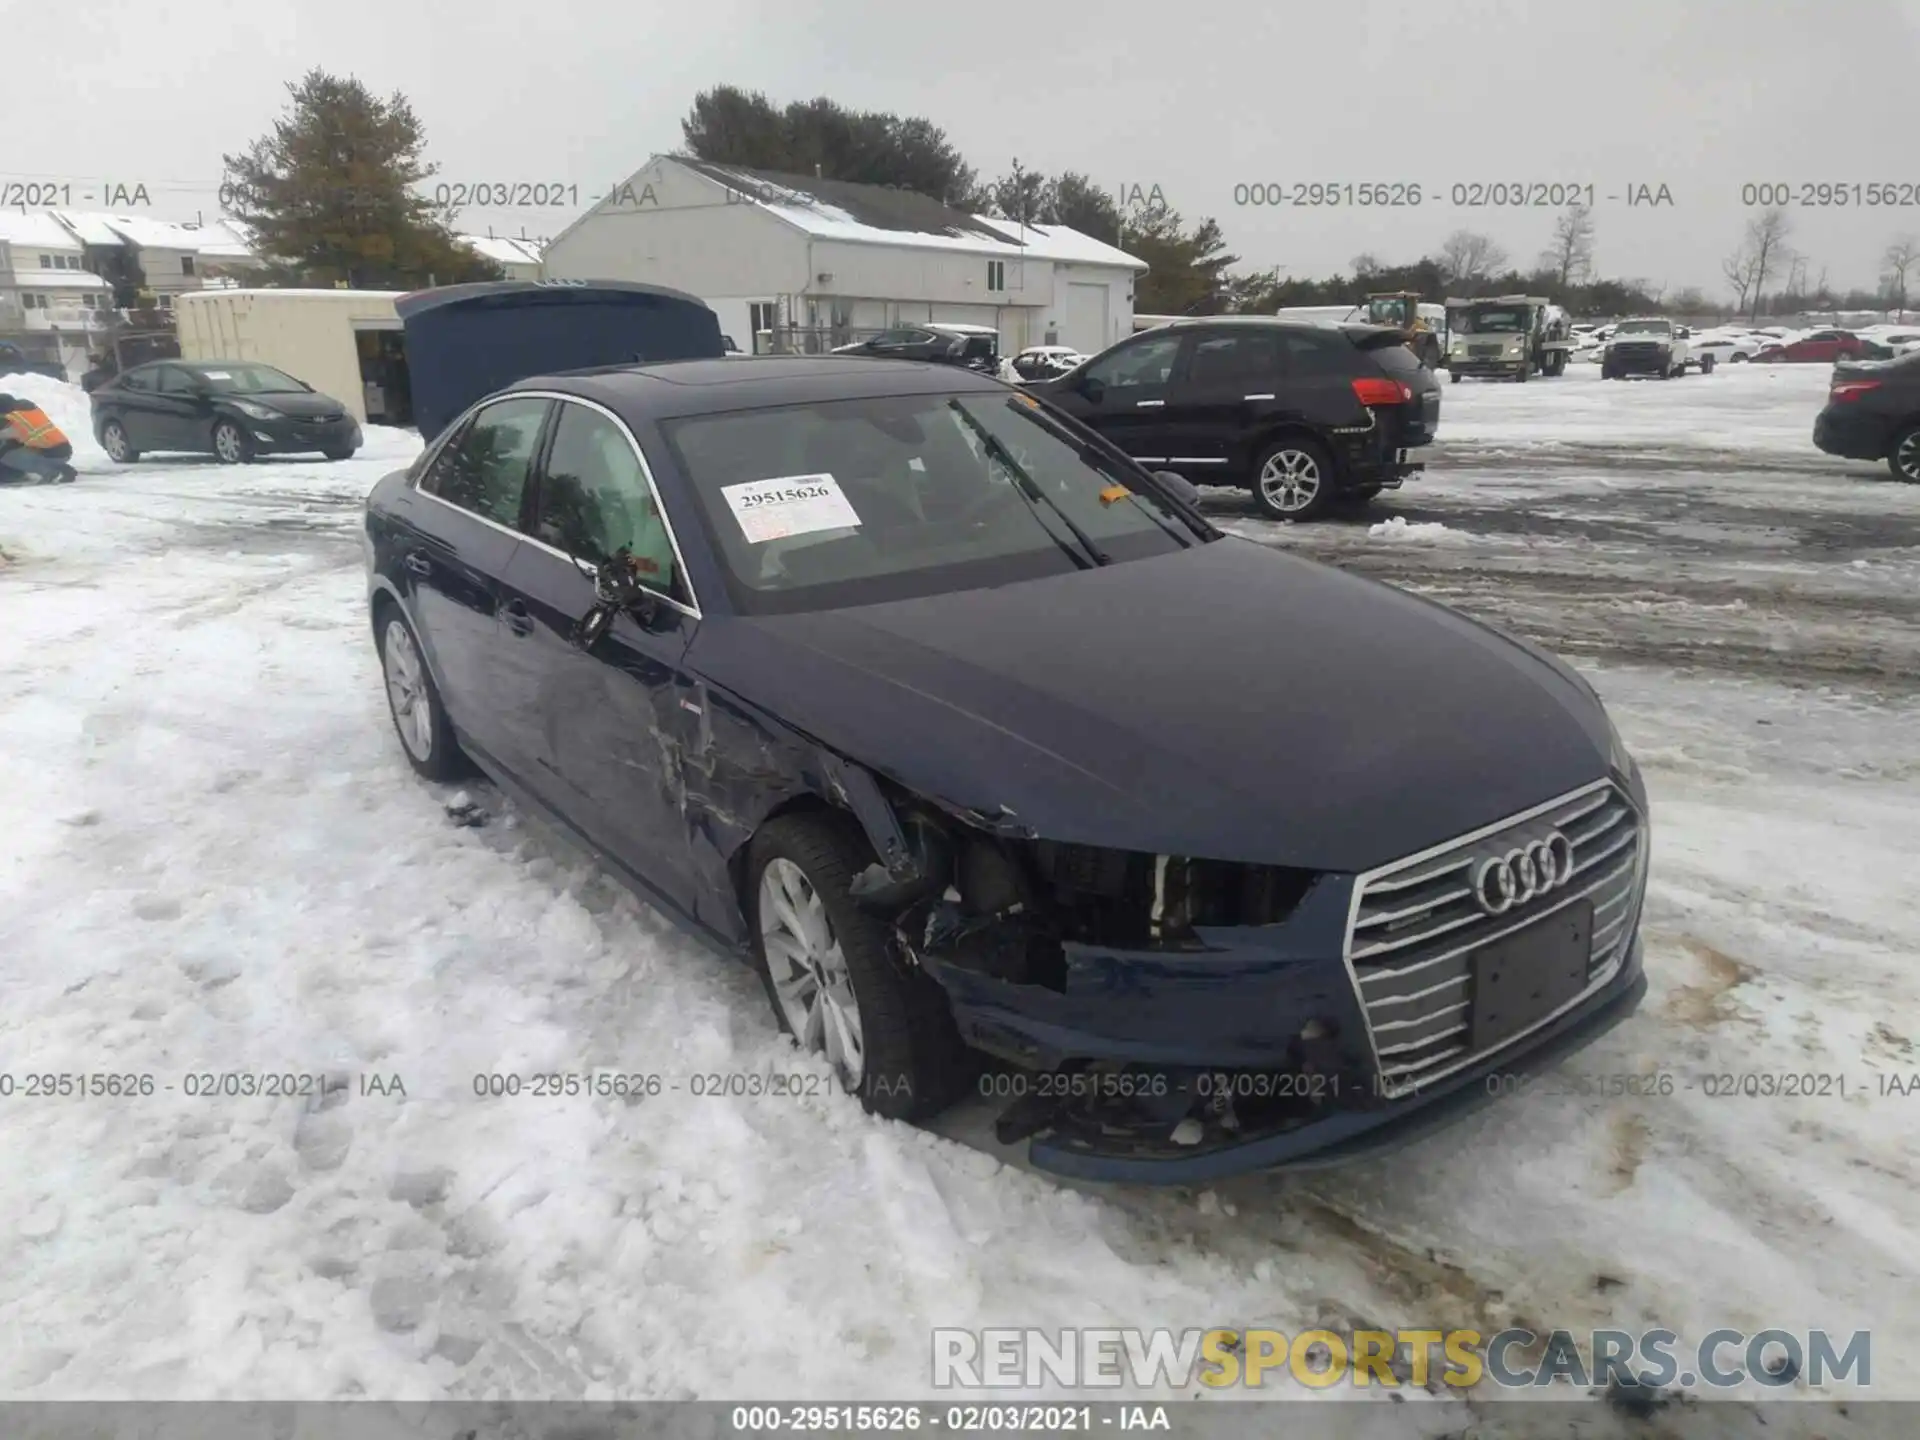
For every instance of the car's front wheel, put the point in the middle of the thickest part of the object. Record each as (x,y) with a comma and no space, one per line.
(339,453)
(114,440)
(833,978)
(1904,459)
(1293,480)
(231,444)
(414,702)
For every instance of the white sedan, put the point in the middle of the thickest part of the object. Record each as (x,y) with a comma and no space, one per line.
(1729,347)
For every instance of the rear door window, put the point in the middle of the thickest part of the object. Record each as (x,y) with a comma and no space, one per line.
(485,470)
(1228,359)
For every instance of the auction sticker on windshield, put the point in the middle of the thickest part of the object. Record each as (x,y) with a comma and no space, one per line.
(790,505)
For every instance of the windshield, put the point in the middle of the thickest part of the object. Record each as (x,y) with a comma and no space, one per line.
(853,502)
(1387,312)
(1506,321)
(1644,327)
(249,380)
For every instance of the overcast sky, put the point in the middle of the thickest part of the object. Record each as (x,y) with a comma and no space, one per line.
(1702,96)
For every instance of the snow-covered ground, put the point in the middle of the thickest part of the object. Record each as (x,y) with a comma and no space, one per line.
(213,859)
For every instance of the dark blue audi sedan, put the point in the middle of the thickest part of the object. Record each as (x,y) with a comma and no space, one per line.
(982,745)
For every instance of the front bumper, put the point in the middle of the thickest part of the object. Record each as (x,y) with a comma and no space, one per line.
(1853,434)
(1487,367)
(1346,1137)
(1639,361)
(1158,1036)
(290,436)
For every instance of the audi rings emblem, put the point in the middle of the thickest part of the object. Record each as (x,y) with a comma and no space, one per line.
(1537,868)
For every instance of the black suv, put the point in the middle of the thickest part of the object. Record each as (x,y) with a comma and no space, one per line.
(1301,415)
(1873,413)
(974,346)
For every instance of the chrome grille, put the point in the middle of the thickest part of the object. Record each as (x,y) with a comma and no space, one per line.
(1415,925)
(1484,352)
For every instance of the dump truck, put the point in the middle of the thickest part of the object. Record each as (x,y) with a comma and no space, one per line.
(1510,337)
(1423,326)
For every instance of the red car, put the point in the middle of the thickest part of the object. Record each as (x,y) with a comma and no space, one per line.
(1822,346)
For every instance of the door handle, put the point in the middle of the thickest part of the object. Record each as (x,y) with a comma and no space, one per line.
(515,614)
(1256,397)
(1148,404)
(418,563)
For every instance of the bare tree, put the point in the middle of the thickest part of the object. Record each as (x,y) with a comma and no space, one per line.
(1467,258)
(1738,268)
(1902,255)
(1366,264)
(1570,256)
(1766,245)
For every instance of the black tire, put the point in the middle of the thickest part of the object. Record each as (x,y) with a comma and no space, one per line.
(1299,456)
(115,441)
(1904,458)
(1671,371)
(1707,362)
(1736,358)
(338,454)
(1523,374)
(432,751)
(1557,364)
(913,1062)
(231,444)
(1607,372)
(1453,377)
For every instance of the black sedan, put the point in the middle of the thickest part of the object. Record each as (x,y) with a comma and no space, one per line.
(237,410)
(1873,413)
(975,738)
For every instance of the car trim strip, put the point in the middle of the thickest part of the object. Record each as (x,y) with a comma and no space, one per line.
(692,611)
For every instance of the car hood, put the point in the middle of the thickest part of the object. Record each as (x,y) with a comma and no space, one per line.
(298,403)
(1226,702)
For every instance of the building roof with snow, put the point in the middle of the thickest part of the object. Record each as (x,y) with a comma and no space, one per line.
(884,215)
(37,230)
(503,250)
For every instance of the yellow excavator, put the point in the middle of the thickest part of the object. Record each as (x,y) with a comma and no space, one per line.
(1401,309)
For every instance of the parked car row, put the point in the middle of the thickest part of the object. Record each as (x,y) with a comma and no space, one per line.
(919,691)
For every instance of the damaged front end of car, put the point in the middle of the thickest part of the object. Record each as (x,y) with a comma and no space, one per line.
(1150,1006)
(1161,1018)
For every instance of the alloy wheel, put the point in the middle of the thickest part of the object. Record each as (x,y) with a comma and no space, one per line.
(809,971)
(407,691)
(115,440)
(1289,480)
(226,444)
(1906,459)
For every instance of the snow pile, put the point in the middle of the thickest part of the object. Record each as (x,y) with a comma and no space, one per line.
(1399,531)
(67,406)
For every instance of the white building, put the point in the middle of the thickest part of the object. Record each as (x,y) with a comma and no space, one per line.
(520,259)
(822,262)
(51,306)
(168,254)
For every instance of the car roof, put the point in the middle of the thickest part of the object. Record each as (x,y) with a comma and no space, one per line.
(678,388)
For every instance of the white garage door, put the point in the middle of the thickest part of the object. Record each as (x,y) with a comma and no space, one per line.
(1086,318)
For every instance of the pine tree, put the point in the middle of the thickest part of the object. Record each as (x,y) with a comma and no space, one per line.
(329,194)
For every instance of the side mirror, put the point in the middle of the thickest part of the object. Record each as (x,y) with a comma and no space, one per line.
(1180,487)
(1093,389)
(616,589)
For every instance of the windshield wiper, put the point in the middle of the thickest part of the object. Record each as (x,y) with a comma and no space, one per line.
(1089,554)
